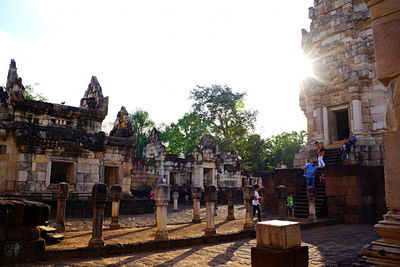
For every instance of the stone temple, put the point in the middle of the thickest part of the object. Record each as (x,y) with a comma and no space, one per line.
(207,165)
(43,144)
(344,96)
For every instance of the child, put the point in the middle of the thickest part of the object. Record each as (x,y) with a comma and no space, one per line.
(290,205)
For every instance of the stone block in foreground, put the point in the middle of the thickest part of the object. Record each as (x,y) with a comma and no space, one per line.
(279,245)
(20,239)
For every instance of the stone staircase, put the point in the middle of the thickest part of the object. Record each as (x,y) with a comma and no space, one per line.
(301,200)
(332,156)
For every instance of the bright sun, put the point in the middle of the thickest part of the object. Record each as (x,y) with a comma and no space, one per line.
(304,67)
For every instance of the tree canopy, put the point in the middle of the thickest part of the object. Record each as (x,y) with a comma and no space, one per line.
(185,134)
(222,110)
(142,124)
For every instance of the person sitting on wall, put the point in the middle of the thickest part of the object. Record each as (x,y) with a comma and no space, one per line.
(310,170)
(281,165)
(349,143)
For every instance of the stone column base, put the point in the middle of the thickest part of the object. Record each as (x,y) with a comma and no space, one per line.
(196,220)
(162,235)
(248,226)
(209,232)
(96,242)
(115,226)
(60,227)
(381,254)
(271,257)
(230,217)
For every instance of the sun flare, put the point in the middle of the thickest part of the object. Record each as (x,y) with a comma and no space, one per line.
(304,67)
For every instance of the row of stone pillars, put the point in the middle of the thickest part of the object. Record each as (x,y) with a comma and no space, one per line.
(162,198)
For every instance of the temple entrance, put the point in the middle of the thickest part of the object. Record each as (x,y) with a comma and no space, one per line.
(110,176)
(207,176)
(173,178)
(61,172)
(342,124)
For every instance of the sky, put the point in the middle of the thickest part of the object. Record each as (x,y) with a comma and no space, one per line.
(150,54)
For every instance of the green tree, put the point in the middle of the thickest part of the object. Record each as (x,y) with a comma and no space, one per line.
(283,147)
(253,153)
(31,94)
(142,124)
(223,111)
(181,137)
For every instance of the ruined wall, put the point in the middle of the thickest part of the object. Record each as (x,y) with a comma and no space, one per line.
(341,45)
(356,194)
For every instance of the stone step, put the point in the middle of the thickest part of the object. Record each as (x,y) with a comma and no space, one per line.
(50,234)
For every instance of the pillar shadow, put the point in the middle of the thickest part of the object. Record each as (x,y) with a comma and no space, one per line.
(125,233)
(179,228)
(221,223)
(176,260)
(127,260)
(223,258)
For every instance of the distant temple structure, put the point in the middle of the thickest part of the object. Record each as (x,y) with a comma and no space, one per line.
(206,166)
(43,144)
(345,95)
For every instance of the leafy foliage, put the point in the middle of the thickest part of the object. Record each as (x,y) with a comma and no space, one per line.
(142,123)
(223,111)
(31,94)
(283,147)
(184,135)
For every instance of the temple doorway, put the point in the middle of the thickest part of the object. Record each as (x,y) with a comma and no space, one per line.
(207,179)
(111,176)
(61,172)
(342,124)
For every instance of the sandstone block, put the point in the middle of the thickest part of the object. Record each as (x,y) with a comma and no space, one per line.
(278,234)
(39,176)
(40,158)
(94,169)
(19,232)
(269,257)
(94,161)
(83,168)
(40,167)
(22,176)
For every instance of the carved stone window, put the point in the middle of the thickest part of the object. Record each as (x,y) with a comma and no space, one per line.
(3,149)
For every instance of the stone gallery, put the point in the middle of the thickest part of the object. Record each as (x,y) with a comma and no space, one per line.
(207,165)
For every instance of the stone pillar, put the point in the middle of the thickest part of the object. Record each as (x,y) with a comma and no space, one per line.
(326,124)
(386,30)
(281,195)
(248,195)
(175,196)
(210,195)
(162,199)
(99,197)
(311,204)
(279,244)
(196,196)
(357,116)
(116,193)
(62,195)
(230,195)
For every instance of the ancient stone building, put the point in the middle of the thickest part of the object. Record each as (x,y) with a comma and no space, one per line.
(206,166)
(42,144)
(344,95)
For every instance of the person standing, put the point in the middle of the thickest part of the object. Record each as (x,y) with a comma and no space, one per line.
(256,202)
(310,170)
(290,205)
(321,154)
